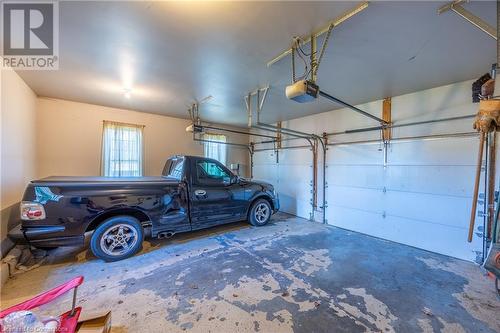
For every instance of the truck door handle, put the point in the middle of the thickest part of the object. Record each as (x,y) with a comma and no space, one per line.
(200,193)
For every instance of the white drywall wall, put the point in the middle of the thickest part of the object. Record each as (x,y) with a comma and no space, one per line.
(422,197)
(17,147)
(69,138)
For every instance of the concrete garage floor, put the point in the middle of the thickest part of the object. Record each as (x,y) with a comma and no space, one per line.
(290,276)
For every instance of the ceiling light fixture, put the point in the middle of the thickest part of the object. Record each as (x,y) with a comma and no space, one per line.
(126,61)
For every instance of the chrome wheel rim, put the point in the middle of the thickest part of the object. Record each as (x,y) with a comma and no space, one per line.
(119,239)
(262,212)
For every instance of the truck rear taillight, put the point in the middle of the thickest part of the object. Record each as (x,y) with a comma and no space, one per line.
(32,211)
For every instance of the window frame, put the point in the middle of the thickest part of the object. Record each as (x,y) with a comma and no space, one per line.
(141,160)
(219,144)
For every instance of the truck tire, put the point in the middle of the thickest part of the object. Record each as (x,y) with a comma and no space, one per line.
(117,238)
(260,213)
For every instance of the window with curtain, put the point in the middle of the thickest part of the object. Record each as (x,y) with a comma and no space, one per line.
(214,149)
(122,150)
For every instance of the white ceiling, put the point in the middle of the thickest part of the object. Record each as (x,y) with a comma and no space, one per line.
(171,53)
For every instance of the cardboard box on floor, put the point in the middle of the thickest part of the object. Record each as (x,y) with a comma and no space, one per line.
(100,324)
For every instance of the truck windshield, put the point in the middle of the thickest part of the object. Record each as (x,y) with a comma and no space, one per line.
(174,168)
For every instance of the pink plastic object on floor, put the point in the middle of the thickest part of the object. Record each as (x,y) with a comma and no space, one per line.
(68,320)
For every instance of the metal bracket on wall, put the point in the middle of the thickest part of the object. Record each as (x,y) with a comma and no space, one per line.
(277,153)
(456,7)
(261,94)
(325,138)
(278,135)
(252,150)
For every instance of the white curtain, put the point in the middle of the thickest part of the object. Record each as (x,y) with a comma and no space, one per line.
(122,150)
(213,149)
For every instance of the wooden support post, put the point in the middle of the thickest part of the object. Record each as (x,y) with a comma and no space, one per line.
(476,185)
(278,142)
(386,131)
(386,115)
(487,121)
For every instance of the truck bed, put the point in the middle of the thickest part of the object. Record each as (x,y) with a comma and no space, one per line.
(95,180)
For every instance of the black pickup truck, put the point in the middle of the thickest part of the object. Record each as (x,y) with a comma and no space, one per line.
(192,193)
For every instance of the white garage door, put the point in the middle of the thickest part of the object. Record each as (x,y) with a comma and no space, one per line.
(422,198)
(292,178)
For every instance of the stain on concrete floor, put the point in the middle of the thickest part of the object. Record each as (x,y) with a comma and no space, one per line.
(290,276)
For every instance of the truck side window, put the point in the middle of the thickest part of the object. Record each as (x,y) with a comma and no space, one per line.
(175,169)
(166,168)
(210,173)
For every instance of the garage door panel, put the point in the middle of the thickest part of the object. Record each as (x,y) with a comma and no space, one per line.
(267,170)
(444,180)
(301,190)
(447,210)
(355,154)
(264,157)
(435,209)
(371,176)
(295,175)
(295,172)
(356,220)
(439,238)
(453,151)
(268,173)
(292,178)
(292,205)
(295,156)
(356,198)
